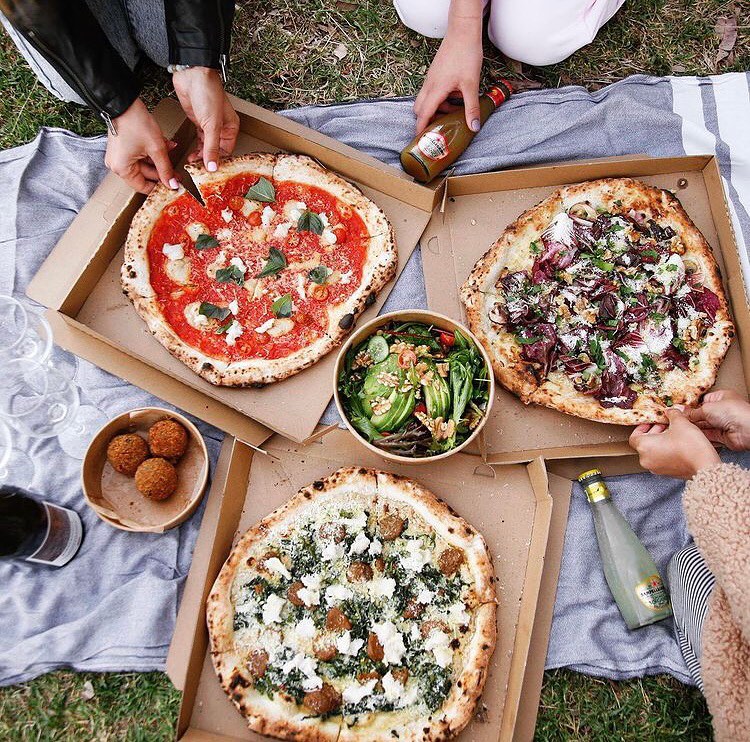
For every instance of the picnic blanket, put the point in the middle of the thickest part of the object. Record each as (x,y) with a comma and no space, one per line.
(113,606)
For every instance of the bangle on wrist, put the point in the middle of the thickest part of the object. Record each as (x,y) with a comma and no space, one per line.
(172,68)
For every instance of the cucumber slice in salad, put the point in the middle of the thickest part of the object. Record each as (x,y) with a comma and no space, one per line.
(377,348)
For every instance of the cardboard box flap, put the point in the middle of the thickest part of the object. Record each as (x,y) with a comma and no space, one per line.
(480,207)
(512,510)
(81,277)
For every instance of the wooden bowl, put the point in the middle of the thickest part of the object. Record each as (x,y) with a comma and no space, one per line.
(114,497)
(428,318)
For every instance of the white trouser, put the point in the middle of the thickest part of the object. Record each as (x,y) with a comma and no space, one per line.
(536,32)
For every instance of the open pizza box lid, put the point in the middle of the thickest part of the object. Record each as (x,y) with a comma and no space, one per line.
(475,210)
(92,318)
(520,510)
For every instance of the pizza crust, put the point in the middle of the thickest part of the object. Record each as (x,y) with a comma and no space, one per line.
(510,252)
(371,489)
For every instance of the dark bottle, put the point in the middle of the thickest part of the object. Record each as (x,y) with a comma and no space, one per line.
(36,531)
(445,139)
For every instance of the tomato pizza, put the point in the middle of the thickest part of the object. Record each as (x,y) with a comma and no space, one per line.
(265,275)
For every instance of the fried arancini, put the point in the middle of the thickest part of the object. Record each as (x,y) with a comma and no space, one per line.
(156,479)
(126,452)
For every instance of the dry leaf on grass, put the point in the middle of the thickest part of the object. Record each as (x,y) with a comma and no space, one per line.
(340,51)
(87,692)
(726,31)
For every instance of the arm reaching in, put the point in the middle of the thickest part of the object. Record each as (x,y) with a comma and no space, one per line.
(457,67)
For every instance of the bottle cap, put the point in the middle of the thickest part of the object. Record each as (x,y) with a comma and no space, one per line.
(593,485)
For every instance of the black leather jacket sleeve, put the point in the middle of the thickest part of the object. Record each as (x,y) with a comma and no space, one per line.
(199,31)
(69,37)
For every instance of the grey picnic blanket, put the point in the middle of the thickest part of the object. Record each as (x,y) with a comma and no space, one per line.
(113,607)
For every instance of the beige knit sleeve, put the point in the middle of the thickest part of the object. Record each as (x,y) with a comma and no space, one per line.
(717,506)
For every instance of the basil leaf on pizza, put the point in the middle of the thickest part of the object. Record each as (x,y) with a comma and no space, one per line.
(309,221)
(207,309)
(205,242)
(364,608)
(603,301)
(231,274)
(275,263)
(169,268)
(282,307)
(262,191)
(319,274)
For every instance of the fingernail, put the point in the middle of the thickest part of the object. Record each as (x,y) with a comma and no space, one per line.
(475,125)
(211,167)
(173,184)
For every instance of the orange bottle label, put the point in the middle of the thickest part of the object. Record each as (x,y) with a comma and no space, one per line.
(499,93)
(433,145)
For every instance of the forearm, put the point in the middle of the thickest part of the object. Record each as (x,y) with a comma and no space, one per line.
(465,20)
(68,36)
(717,506)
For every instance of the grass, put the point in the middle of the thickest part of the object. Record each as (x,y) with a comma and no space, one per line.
(318,51)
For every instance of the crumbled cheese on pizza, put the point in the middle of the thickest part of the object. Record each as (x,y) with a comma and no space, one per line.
(358,691)
(360,543)
(267,216)
(415,557)
(235,330)
(324,219)
(425,596)
(194,318)
(337,593)
(307,666)
(238,263)
(310,593)
(356,522)
(294,210)
(233,306)
(223,234)
(348,646)
(305,629)
(382,587)
(346,277)
(392,688)
(328,237)
(249,207)
(266,326)
(301,286)
(376,548)
(195,230)
(272,609)
(457,614)
(282,230)
(331,551)
(274,564)
(392,641)
(179,271)
(227,215)
(173,252)
(657,335)
(438,642)
(216,263)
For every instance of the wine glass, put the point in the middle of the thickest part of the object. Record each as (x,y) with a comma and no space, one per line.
(15,466)
(40,402)
(25,333)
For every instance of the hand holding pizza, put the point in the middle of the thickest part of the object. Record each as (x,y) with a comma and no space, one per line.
(679,449)
(138,152)
(456,69)
(724,417)
(201,94)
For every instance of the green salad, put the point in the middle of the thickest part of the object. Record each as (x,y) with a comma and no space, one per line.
(413,389)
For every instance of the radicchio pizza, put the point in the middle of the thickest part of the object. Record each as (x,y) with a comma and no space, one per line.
(603,301)
(362,609)
(266,275)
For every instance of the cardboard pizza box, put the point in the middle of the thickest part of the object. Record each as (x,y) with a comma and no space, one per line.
(516,507)
(80,281)
(474,211)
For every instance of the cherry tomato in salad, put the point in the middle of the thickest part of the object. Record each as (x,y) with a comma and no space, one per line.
(421,407)
(407,358)
(447,339)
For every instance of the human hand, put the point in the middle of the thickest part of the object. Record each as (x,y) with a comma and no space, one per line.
(455,70)
(138,153)
(678,449)
(723,417)
(202,96)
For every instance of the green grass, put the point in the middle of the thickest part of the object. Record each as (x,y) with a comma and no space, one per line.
(284,57)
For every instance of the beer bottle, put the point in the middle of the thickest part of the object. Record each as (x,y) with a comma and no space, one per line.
(631,573)
(37,531)
(445,139)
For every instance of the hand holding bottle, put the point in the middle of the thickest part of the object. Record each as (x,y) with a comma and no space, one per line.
(456,68)
(679,449)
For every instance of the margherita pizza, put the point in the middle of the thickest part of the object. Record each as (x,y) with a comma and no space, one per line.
(603,301)
(266,275)
(362,609)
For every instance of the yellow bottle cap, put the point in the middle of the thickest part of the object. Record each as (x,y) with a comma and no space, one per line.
(593,485)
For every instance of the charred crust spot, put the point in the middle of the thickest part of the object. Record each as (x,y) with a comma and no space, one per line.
(370,300)
(258,384)
(238,680)
(459,684)
(207,367)
(455,644)
(451,529)
(307,495)
(347,321)
(318,484)
(485,647)
(132,274)
(364,471)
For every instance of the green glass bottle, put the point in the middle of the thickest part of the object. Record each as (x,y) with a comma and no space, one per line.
(631,573)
